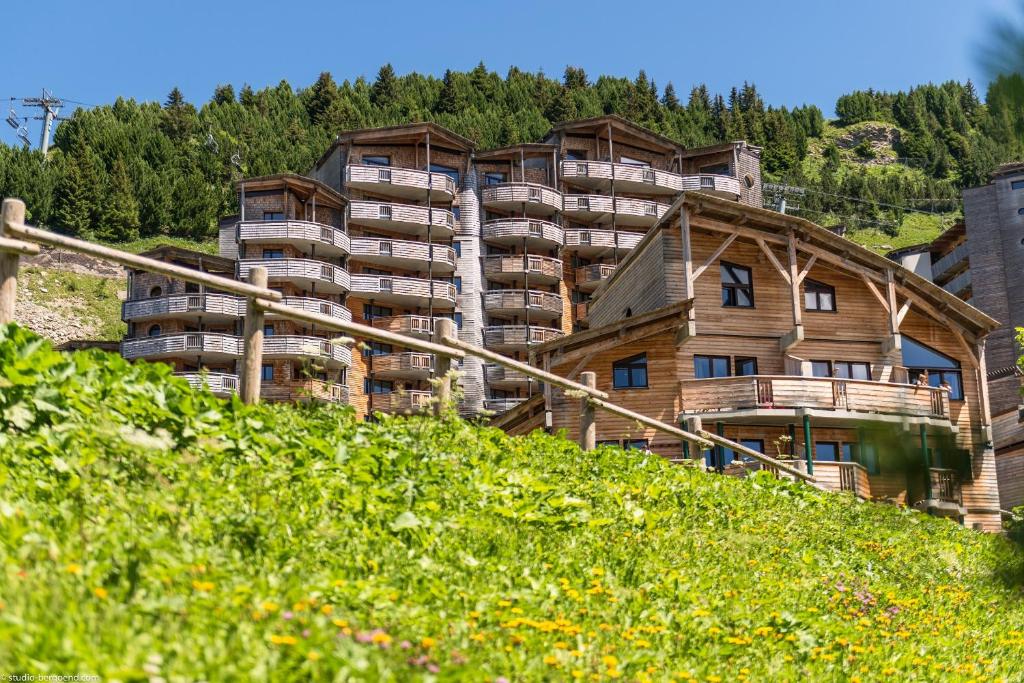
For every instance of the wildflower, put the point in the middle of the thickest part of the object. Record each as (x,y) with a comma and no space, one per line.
(560,645)
(283,640)
(380,638)
(551,660)
(474,615)
(326,609)
(504,603)
(287,616)
(427,642)
(405,645)
(269,606)
(597,571)
(610,661)
(203,586)
(100,592)
(313,655)
(340,623)
(576,673)
(73,569)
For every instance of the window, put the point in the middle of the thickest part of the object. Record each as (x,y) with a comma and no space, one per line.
(273,215)
(576,154)
(635,444)
(821,368)
(377,349)
(458,284)
(607,442)
(745,366)
(827,451)
(153,331)
(629,161)
(457,248)
(630,373)
(273,253)
(1020,212)
(191,288)
(452,173)
(268,330)
(849,452)
(457,317)
(716,169)
(267,373)
(494,177)
(737,286)
(818,296)
(1017,185)
(156,291)
(377,386)
(377,160)
(370,312)
(940,368)
(868,456)
(718,457)
(845,369)
(706,367)
(456,212)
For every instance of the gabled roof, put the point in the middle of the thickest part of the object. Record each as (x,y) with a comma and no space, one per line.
(301,185)
(529,150)
(209,263)
(720,147)
(630,132)
(843,253)
(405,134)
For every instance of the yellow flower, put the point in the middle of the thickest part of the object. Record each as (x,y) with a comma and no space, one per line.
(283,640)
(576,673)
(613,673)
(561,645)
(610,661)
(597,571)
(551,660)
(714,679)
(327,609)
(340,623)
(338,583)
(428,642)
(203,586)
(478,637)
(269,606)
(100,592)
(380,638)
(73,569)
(313,655)
(504,603)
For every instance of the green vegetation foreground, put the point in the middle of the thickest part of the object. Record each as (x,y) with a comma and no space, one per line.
(151,532)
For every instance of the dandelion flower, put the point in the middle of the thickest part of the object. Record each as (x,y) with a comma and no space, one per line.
(74,569)
(283,640)
(100,592)
(313,655)
(427,643)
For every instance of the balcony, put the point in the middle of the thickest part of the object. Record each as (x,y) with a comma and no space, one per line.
(307,237)
(408,365)
(764,397)
(303,390)
(830,475)
(210,307)
(588,278)
(518,302)
(403,254)
(209,346)
(305,347)
(407,183)
(218,383)
(517,198)
(628,212)
(307,274)
(632,178)
(518,269)
(951,262)
(719,185)
(403,402)
(510,232)
(414,325)
(506,379)
(404,218)
(500,405)
(515,337)
(411,292)
(960,286)
(598,243)
(320,306)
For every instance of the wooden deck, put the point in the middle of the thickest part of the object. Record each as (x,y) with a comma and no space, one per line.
(404,291)
(403,218)
(305,235)
(408,183)
(305,273)
(403,254)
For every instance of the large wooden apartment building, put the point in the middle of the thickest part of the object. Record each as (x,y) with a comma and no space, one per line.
(793,341)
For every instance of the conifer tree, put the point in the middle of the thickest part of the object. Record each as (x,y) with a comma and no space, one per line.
(383,93)
(119,214)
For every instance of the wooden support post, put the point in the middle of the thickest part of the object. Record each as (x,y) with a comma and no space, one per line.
(689,330)
(588,427)
(443,328)
(252,353)
(719,449)
(797,334)
(895,341)
(927,457)
(13,212)
(808,444)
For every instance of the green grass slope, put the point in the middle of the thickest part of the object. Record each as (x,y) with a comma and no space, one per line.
(151,532)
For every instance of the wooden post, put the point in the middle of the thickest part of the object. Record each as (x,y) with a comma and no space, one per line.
(252,352)
(443,328)
(13,212)
(808,444)
(588,428)
(690,329)
(927,458)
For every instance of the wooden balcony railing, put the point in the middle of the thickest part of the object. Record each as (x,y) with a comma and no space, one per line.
(725,394)
(946,485)
(302,346)
(403,364)
(706,182)
(217,382)
(401,286)
(379,249)
(382,177)
(226,305)
(497,374)
(631,176)
(830,475)
(305,390)
(278,269)
(514,264)
(594,273)
(515,230)
(500,405)
(518,335)
(182,343)
(539,197)
(417,325)
(313,305)
(411,401)
(497,300)
(401,216)
(291,231)
(601,238)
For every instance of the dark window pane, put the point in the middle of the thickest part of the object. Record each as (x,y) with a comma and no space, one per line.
(821,368)
(860,371)
(746,366)
(701,367)
(721,367)
(826,450)
(842,370)
(377,160)
(621,377)
(743,298)
(848,452)
(917,355)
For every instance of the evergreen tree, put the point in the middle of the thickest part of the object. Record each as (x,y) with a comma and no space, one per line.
(383,93)
(669,99)
(322,96)
(223,94)
(77,200)
(119,214)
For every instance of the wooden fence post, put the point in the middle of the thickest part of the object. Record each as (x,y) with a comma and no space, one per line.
(252,356)
(588,428)
(13,212)
(443,329)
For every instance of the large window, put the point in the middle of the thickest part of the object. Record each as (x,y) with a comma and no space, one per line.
(377,160)
(371,311)
(940,368)
(630,373)
(821,368)
(818,296)
(576,155)
(827,451)
(629,161)
(737,286)
(273,216)
(635,444)
(745,366)
(719,456)
(716,169)
(377,386)
(377,349)
(267,372)
(845,369)
(273,253)
(452,173)
(1017,185)
(706,367)
(268,330)
(495,177)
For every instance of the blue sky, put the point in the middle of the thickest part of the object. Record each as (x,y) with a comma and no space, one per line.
(796,51)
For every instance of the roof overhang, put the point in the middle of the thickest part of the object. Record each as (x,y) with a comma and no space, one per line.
(210,263)
(623,131)
(529,150)
(303,186)
(409,134)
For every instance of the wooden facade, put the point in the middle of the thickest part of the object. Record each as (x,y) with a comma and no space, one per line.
(809,361)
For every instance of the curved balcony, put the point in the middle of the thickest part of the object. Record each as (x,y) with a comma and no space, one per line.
(518,337)
(597,243)
(403,254)
(219,383)
(780,398)
(629,212)
(307,274)
(311,305)
(409,365)
(404,218)
(306,236)
(500,405)
(721,185)
(210,307)
(517,302)
(413,325)
(305,347)
(407,183)
(518,269)
(410,292)
(209,346)
(534,199)
(588,278)
(404,402)
(509,232)
(303,390)
(598,175)
(500,377)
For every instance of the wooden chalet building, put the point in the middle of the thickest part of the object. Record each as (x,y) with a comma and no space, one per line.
(793,341)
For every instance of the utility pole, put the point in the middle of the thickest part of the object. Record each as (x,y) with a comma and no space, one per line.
(50,107)
(778,194)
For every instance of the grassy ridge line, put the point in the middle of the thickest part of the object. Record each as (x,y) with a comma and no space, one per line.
(148,531)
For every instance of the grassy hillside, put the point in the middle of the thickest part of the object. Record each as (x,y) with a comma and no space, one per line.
(149,532)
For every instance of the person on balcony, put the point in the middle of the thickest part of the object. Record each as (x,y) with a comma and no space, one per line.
(922,379)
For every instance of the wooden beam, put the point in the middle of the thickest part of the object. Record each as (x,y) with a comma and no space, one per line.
(878,295)
(597,347)
(807,267)
(684,233)
(904,309)
(714,257)
(971,357)
(890,294)
(794,283)
(577,369)
(775,261)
